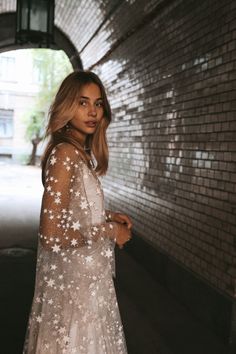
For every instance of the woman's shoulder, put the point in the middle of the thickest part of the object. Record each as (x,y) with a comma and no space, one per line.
(65,149)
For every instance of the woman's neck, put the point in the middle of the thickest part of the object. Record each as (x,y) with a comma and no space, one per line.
(77,135)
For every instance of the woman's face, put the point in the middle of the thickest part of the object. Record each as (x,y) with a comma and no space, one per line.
(89,113)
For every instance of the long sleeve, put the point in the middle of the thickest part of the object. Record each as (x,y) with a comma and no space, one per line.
(63,204)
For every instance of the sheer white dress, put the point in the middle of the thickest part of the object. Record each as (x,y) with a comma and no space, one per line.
(74,308)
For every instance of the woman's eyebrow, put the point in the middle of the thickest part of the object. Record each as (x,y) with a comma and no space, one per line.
(87,98)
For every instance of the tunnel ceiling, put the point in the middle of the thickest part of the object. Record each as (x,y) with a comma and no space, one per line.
(81,21)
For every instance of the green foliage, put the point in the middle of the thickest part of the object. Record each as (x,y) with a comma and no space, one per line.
(50,68)
(34,126)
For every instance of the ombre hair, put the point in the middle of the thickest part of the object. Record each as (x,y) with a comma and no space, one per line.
(64,108)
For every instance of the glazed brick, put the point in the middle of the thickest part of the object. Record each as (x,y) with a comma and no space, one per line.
(170,74)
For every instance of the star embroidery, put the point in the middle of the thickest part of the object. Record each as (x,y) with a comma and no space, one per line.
(84,204)
(76,225)
(62,330)
(39,319)
(74,242)
(51,282)
(57,200)
(53,160)
(89,259)
(108,253)
(56,248)
(66,339)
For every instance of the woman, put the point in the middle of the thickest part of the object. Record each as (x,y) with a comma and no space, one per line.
(74,308)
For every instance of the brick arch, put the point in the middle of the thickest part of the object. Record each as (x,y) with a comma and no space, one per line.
(7,40)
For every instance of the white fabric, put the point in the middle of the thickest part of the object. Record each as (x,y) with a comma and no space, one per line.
(74,308)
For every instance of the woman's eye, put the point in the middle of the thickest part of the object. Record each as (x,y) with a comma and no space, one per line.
(82,103)
(99,104)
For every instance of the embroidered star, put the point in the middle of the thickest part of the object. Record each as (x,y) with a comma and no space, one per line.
(66,339)
(53,267)
(74,242)
(62,330)
(76,225)
(77,194)
(39,319)
(56,248)
(84,204)
(108,253)
(57,200)
(50,302)
(53,160)
(89,259)
(51,282)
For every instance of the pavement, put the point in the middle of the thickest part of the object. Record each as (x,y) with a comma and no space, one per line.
(154,321)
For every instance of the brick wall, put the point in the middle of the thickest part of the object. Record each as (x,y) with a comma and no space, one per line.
(170,75)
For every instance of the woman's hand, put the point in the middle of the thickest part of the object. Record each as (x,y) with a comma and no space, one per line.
(124,235)
(122,219)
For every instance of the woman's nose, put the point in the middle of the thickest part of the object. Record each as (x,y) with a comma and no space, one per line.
(92,110)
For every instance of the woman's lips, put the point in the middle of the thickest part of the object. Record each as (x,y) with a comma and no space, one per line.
(91,124)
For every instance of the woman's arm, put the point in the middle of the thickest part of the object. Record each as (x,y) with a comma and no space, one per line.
(59,226)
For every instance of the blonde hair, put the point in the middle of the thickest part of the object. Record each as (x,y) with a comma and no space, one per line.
(64,108)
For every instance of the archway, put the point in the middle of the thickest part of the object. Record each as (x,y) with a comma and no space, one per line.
(7,40)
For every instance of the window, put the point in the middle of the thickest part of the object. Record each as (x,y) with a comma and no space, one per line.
(6,123)
(7,68)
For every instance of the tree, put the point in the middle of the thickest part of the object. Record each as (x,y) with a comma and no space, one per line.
(50,68)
